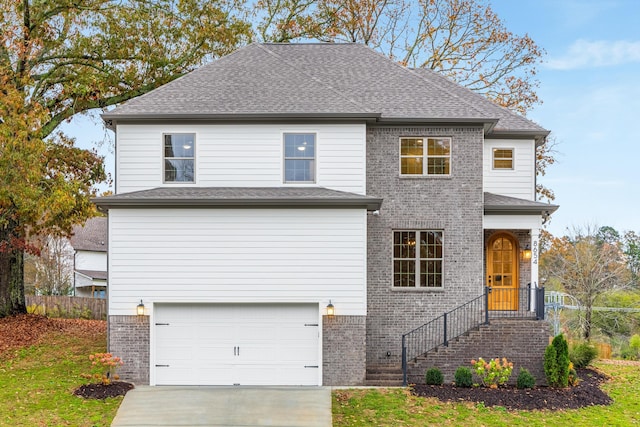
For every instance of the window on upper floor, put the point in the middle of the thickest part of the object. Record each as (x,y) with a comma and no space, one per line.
(425,156)
(299,157)
(179,157)
(503,158)
(417,259)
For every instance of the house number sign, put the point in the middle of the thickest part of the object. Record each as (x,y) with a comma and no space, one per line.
(534,252)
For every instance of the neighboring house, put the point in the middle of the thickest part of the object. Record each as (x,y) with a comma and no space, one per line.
(90,244)
(257,193)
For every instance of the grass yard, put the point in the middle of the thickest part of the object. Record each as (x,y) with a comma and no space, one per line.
(37,378)
(397,407)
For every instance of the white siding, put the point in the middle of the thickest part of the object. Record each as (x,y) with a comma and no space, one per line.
(238,255)
(247,155)
(512,222)
(91,260)
(519,182)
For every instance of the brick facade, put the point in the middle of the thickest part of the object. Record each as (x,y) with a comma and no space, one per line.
(453,204)
(521,341)
(343,350)
(129,339)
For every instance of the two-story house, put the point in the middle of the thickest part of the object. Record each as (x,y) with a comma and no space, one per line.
(286,213)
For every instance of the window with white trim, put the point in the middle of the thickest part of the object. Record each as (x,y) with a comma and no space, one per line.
(299,157)
(503,158)
(417,259)
(425,156)
(179,157)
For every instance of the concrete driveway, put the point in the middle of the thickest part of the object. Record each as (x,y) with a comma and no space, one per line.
(226,406)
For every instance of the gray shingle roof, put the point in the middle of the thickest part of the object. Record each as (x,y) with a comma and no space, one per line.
(239,197)
(315,80)
(91,236)
(496,203)
(94,274)
(508,119)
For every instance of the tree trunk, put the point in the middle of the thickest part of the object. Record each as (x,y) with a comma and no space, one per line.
(11,277)
(587,324)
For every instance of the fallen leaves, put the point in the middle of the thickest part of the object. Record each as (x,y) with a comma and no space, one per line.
(28,329)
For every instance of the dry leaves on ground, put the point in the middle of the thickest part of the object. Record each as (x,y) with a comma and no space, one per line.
(29,329)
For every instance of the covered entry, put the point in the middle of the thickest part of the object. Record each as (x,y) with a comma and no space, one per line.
(236,344)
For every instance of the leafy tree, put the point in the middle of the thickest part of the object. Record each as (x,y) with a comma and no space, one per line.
(59,58)
(588,268)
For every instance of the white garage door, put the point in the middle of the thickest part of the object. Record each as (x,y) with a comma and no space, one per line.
(245,344)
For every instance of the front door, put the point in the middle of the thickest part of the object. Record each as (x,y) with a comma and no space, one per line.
(502,272)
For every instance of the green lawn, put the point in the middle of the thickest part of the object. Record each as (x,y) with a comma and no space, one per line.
(36,384)
(396,407)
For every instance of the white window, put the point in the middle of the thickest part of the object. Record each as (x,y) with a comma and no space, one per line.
(425,156)
(300,157)
(503,158)
(179,158)
(417,259)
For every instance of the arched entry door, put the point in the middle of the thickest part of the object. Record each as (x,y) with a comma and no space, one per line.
(502,272)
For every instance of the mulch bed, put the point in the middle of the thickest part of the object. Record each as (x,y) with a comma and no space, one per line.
(101,391)
(586,393)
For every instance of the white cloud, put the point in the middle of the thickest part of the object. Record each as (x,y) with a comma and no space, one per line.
(591,54)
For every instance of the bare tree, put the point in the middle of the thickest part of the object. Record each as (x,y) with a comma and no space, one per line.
(588,268)
(50,272)
(463,39)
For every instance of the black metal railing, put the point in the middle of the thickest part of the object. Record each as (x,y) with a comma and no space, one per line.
(493,303)
(515,302)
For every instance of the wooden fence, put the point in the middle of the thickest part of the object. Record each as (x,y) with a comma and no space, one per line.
(67,307)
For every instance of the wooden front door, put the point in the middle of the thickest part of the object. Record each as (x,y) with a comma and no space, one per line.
(502,272)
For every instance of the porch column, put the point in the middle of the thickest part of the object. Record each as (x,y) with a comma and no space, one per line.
(535,256)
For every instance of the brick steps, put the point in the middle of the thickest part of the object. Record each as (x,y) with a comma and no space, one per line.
(384,375)
(522,341)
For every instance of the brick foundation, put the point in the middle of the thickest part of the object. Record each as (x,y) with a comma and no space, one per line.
(344,350)
(129,339)
(521,341)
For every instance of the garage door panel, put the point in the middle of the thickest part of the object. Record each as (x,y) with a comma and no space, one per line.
(223,344)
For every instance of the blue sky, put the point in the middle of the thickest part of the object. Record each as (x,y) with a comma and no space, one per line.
(590,87)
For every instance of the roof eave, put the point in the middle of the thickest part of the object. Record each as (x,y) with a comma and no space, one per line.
(520,210)
(538,135)
(371,204)
(485,122)
(111,119)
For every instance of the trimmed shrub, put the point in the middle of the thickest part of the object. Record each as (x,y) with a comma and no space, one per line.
(582,354)
(434,376)
(562,351)
(556,362)
(525,379)
(463,377)
(551,366)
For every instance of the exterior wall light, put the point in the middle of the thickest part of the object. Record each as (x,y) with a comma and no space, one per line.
(140,309)
(331,311)
(526,253)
